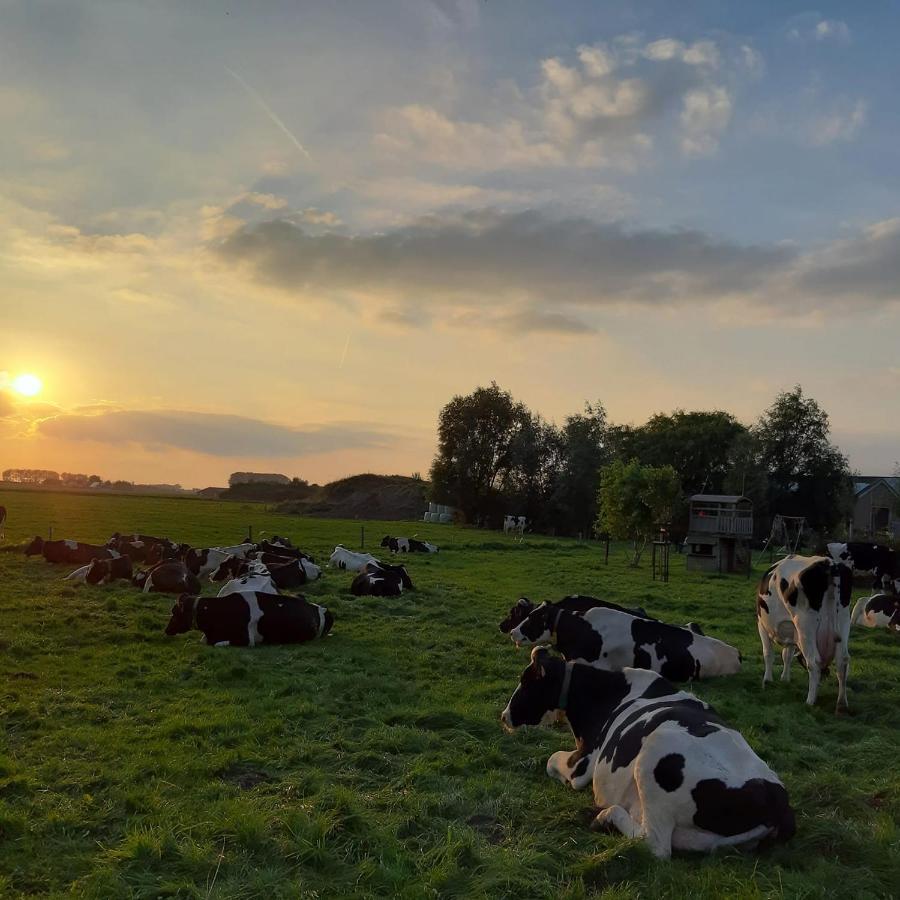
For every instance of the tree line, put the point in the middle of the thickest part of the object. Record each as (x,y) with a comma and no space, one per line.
(496,457)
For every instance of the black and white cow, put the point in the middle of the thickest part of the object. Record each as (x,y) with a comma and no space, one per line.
(576,603)
(287,571)
(259,580)
(249,618)
(342,558)
(803,602)
(381,580)
(614,639)
(407,545)
(664,767)
(287,549)
(882,562)
(171,576)
(878,611)
(104,571)
(206,560)
(71,552)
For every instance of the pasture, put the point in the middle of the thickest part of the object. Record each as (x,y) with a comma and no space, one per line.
(371,763)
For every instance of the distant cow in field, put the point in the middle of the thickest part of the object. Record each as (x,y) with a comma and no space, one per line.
(663,765)
(514,524)
(576,603)
(282,550)
(407,545)
(614,639)
(860,556)
(204,561)
(803,602)
(103,571)
(381,580)
(169,577)
(879,611)
(342,558)
(283,569)
(70,552)
(248,618)
(252,581)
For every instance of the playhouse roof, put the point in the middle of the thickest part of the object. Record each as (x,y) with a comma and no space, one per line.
(718,498)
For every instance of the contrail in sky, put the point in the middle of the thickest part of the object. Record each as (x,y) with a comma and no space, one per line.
(344,354)
(268,111)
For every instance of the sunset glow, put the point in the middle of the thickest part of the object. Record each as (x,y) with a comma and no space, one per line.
(27,385)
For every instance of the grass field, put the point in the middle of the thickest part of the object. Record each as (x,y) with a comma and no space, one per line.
(372,763)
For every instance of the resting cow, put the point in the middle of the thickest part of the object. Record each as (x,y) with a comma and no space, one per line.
(859,556)
(613,639)
(664,767)
(249,618)
(71,552)
(803,602)
(407,545)
(103,571)
(879,611)
(252,581)
(169,577)
(381,580)
(576,603)
(342,558)
(291,571)
(204,561)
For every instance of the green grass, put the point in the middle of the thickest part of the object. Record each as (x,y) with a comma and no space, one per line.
(372,763)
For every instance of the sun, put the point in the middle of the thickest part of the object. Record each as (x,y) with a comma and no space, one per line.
(27,385)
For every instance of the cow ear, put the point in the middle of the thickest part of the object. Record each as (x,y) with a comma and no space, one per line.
(539,656)
(523,601)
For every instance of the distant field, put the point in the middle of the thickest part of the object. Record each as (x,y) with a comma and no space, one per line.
(372,763)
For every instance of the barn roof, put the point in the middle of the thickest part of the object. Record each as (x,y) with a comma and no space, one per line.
(860,487)
(718,498)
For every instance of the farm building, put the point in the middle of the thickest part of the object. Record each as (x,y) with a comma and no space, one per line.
(876,506)
(719,531)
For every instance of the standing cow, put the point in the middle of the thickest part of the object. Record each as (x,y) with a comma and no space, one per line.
(803,602)
(664,767)
(861,556)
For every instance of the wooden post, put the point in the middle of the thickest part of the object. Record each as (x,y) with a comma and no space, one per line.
(250,533)
(51,534)
(362,536)
(606,560)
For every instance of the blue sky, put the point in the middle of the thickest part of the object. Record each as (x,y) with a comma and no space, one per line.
(367,207)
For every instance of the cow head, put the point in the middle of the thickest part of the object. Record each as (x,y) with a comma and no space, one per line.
(537,628)
(139,579)
(386,541)
(182,615)
(519,613)
(35,547)
(100,569)
(327,621)
(230,567)
(536,700)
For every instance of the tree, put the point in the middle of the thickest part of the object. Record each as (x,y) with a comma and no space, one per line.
(585,450)
(808,475)
(634,500)
(476,434)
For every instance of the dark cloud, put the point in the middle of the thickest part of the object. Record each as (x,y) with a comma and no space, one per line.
(214,434)
(494,259)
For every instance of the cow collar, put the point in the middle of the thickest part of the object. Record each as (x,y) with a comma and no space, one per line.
(555,621)
(567,683)
(195,614)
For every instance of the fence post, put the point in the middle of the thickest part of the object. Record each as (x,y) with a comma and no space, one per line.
(250,533)
(362,536)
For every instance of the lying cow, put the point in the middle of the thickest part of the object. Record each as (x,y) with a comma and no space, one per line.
(882,562)
(407,545)
(614,639)
(169,577)
(290,569)
(252,581)
(381,580)
(803,602)
(249,618)
(204,561)
(576,603)
(878,611)
(71,552)
(342,558)
(103,571)
(664,767)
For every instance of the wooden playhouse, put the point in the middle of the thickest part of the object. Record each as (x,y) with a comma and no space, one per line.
(720,528)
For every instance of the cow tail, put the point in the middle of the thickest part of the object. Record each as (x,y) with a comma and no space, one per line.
(858,610)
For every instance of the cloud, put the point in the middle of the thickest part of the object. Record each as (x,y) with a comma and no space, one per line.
(842,123)
(210,433)
(607,107)
(7,405)
(812,28)
(831,29)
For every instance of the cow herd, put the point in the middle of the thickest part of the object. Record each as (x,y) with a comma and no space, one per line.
(662,765)
(250,607)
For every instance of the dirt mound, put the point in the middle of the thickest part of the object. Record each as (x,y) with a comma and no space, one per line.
(365,497)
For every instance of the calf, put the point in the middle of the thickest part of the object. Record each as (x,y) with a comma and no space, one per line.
(859,556)
(248,618)
(381,580)
(71,552)
(169,577)
(803,602)
(878,611)
(573,603)
(664,767)
(613,639)
(347,559)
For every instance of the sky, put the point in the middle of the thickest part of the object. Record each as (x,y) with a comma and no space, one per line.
(280,236)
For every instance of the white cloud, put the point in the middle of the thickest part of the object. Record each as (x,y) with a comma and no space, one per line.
(842,123)
(704,116)
(832,29)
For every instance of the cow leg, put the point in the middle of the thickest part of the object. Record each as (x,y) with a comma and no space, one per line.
(619,818)
(787,657)
(768,653)
(806,638)
(843,670)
